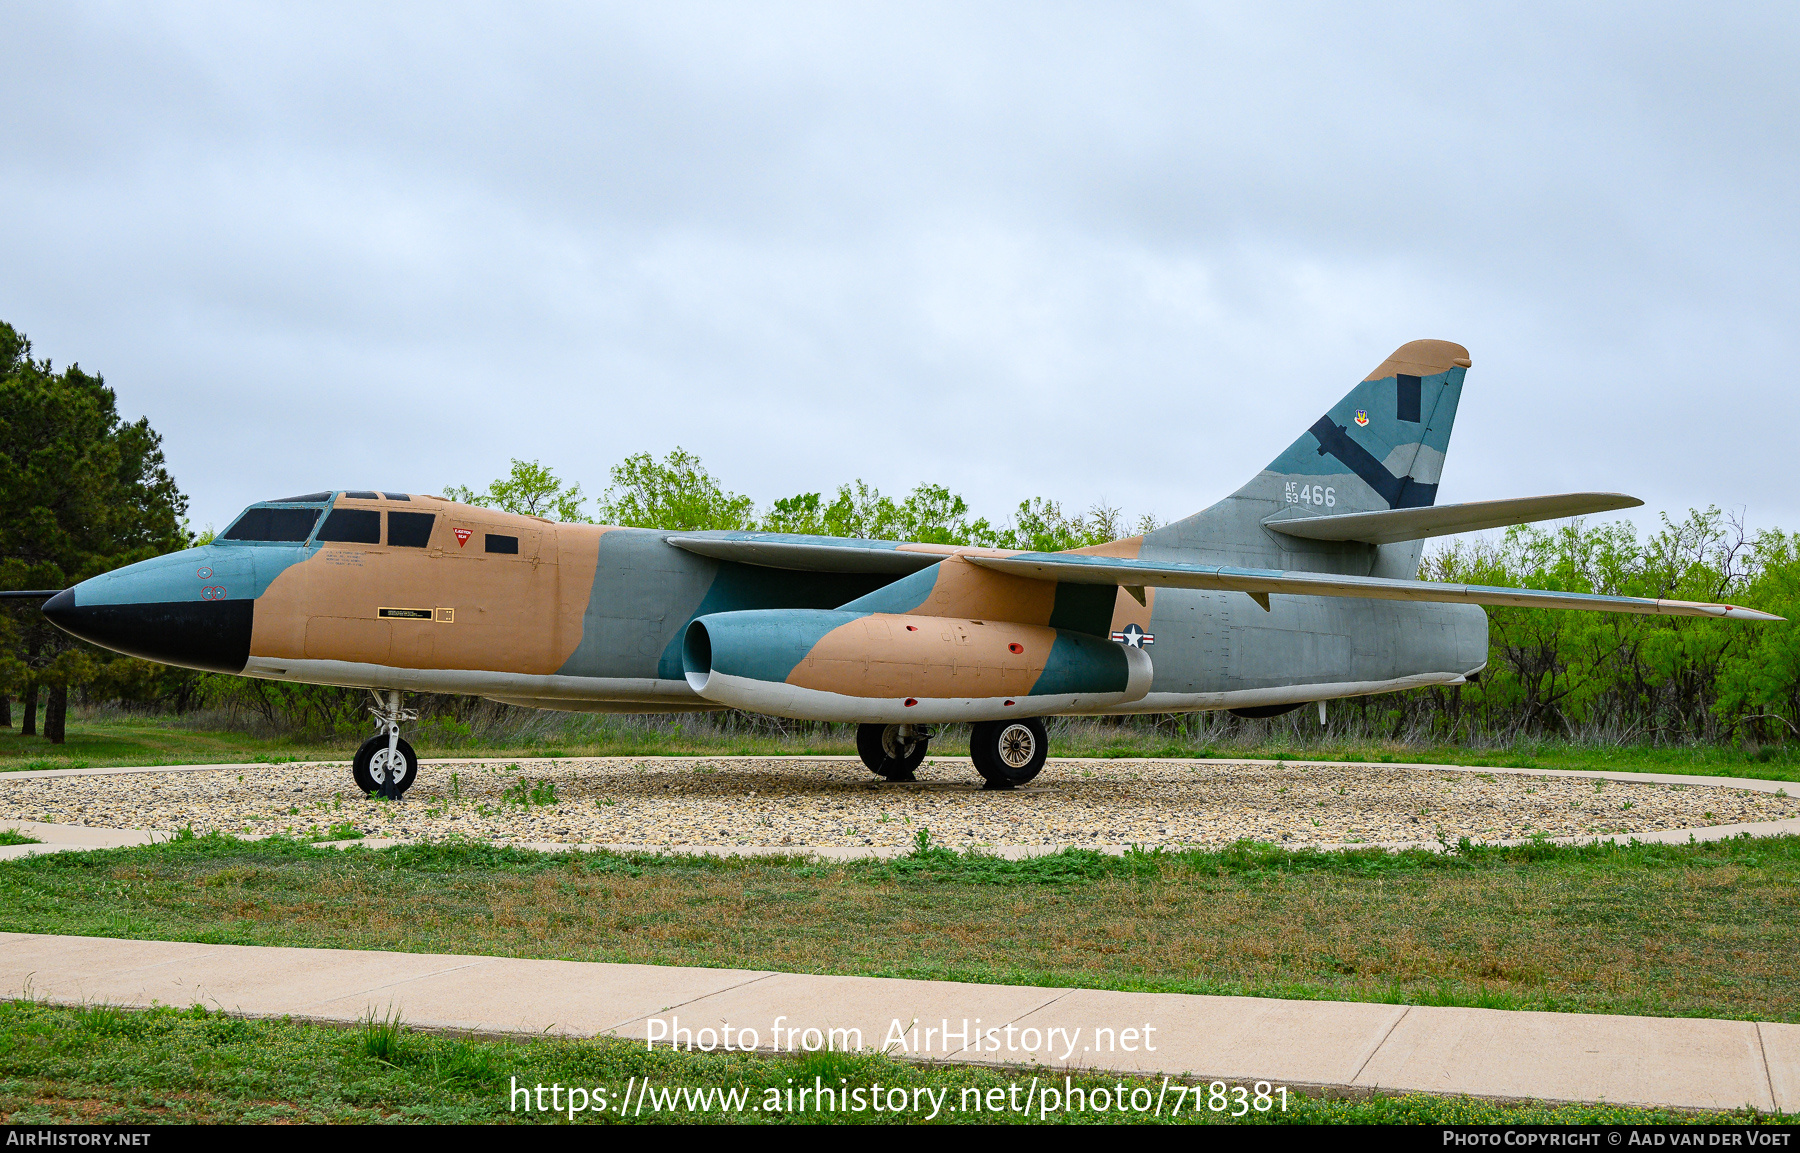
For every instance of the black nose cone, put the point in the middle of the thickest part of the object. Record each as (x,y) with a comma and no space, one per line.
(58,608)
(213,636)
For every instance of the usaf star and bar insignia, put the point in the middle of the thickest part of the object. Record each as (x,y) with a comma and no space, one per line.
(1134,637)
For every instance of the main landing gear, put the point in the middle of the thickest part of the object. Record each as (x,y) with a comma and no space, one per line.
(1006,753)
(385,764)
(892,751)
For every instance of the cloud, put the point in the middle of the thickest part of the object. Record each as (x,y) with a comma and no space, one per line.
(1125,252)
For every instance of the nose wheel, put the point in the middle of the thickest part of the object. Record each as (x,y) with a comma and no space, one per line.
(385,765)
(378,767)
(892,751)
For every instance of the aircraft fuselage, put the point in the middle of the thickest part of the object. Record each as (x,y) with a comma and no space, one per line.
(443,597)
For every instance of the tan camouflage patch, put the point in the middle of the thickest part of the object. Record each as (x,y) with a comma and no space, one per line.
(964,590)
(501,612)
(900,656)
(1422,358)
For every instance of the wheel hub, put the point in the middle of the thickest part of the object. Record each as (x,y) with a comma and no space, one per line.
(1017,746)
(898,742)
(387,762)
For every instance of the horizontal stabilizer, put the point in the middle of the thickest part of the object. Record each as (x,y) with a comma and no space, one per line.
(1075,569)
(1391,525)
(813,554)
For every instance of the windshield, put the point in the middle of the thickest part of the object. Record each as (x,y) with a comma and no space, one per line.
(273,524)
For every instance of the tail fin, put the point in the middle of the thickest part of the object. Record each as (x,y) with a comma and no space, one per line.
(1381,447)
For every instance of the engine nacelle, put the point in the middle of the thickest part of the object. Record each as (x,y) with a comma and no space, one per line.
(828,665)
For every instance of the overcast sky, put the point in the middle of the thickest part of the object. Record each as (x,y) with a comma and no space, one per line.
(1120,252)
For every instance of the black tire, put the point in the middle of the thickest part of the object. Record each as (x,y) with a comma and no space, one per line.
(887,753)
(364,767)
(1009,753)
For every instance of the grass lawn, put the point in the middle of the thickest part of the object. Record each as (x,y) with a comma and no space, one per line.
(102,1065)
(161,741)
(149,741)
(1696,930)
(1770,763)
(114,740)
(1698,760)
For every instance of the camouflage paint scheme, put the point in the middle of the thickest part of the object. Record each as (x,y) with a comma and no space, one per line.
(618,619)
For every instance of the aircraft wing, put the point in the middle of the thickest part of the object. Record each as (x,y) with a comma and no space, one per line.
(1259,583)
(1391,525)
(813,554)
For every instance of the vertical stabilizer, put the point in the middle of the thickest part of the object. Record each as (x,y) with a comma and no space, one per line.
(1381,447)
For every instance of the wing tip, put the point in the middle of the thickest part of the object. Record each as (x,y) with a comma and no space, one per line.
(1715,611)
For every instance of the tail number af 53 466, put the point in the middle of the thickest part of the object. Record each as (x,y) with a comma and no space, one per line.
(1311,494)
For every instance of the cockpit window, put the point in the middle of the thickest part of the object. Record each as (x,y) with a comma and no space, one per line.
(410,529)
(273,524)
(397,496)
(363,495)
(309,498)
(353,525)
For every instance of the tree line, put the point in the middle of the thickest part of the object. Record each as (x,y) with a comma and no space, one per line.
(1549,672)
(83,491)
(677,492)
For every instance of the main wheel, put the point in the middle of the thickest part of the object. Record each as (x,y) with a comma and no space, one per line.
(372,766)
(891,751)
(1008,753)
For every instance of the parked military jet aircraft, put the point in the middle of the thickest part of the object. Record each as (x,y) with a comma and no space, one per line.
(1299,587)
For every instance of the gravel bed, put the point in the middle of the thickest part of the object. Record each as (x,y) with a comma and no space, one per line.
(835,801)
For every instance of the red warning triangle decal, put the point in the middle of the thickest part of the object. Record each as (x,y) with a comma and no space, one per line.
(462,536)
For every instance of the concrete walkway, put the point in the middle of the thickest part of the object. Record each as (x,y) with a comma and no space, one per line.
(1344,1046)
(71,838)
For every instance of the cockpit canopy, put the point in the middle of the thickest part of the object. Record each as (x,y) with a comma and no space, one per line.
(273,523)
(293,519)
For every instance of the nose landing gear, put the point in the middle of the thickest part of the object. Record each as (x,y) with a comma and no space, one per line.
(385,763)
